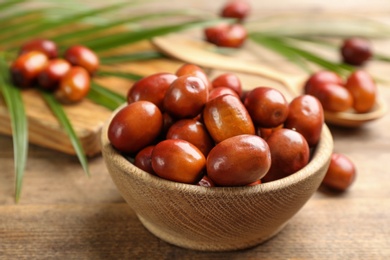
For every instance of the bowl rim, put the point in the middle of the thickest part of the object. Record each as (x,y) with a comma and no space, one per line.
(320,156)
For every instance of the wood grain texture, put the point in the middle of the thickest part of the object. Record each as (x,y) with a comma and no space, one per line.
(65,215)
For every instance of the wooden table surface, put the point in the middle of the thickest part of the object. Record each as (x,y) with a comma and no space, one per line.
(65,215)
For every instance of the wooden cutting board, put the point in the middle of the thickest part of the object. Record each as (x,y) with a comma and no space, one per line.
(86,117)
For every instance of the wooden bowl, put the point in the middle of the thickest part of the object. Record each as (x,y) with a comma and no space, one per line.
(217,218)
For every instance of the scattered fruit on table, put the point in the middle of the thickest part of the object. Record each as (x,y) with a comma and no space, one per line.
(341,173)
(356,51)
(68,77)
(238,9)
(357,93)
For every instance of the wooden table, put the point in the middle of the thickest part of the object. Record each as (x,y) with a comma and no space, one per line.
(65,215)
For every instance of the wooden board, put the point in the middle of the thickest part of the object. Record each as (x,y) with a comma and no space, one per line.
(86,117)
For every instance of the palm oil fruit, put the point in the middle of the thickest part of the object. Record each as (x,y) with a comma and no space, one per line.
(363,89)
(73,86)
(322,77)
(143,159)
(79,55)
(26,68)
(52,74)
(226,35)
(356,51)
(194,70)
(49,48)
(341,173)
(192,131)
(228,80)
(170,157)
(135,126)
(151,88)
(238,9)
(238,161)
(186,97)
(226,116)
(267,107)
(333,97)
(306,116)
(289,153)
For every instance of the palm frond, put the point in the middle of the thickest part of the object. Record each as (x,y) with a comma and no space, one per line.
(5,5)
(93,30)
(44,24)
(105,97)
(19,124)
(288,49)
(114,41)
(137,56)
(60,114)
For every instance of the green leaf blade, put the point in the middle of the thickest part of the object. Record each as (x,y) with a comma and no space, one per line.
(138,56)
(60,114)
(105,97)
(19,125)
(108,43)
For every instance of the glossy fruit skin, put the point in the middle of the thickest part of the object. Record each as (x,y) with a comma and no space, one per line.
(206,182)
(192,131)
(238,161)
(226,35)
(151,88)
(220,91)
(267,106)
(51,75)
(238,9)
(194,70)
(168,121)
(333,97)
(320,77)
(254,183)
(135,126)
(363,89)
(186,97)
(266,132)
(228,80)
(143,159)
(289,153)
(178,160)
(226,116)
(341,173)
(306,116)
(49,48)
(356,51)
(73,86)
(79,55)
(25,69)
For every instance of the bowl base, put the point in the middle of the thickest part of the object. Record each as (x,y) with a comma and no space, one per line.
(214,246)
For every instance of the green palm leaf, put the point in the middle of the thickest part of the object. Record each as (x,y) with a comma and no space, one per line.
(44,24)
(14,102)
(137,56)
(113,41)
(105,97)
(5,5)
(58,111)
(82,33)
(293,52)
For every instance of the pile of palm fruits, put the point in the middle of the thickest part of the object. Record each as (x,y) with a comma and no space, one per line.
(187,128)
(39,64)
